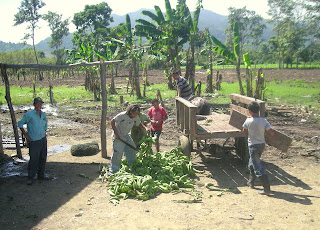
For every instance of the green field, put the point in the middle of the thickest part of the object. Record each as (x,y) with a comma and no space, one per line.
(295,93)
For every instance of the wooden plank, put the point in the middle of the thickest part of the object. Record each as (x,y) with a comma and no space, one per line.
(239,109)
(237,119)
(187,118)
(1,146)
(177,113)
(244,99)
(182,111)
(103,124)
(47,67)
(186,102)
(193,122)
(280,140)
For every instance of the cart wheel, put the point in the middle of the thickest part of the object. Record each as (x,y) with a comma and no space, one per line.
(242,150)
(185,144)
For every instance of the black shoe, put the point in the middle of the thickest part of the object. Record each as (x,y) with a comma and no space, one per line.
(29,182)
(266,185)
(44,178)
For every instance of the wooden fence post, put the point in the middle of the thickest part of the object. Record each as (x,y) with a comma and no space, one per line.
(13,117)
(103,125)
(1,146)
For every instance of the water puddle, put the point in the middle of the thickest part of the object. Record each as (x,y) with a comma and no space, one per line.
(19,167)
(52,150)
(47,108)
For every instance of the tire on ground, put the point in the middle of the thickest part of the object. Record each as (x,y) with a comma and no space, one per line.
(185,145)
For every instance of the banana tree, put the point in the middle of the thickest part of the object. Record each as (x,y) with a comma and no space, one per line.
(110,52)
(134,52)
(192,23)
(85,52)
(166,34)
(260,85)
(233,57)
(207,50)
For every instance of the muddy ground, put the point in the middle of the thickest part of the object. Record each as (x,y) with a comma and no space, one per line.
(75,199)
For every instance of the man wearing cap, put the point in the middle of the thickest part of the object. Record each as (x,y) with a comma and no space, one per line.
(36,121)
(184,90)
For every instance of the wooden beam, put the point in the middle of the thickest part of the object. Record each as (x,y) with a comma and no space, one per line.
(247,101)
(103,124)
(239,109)
(13,117)
(244,99)
(57,67)
(193,122)
(1,146)
(279,140)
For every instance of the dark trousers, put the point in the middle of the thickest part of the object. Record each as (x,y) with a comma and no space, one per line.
(38,158)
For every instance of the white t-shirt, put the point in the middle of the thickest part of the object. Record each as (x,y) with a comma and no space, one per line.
(256,127)
(124,123)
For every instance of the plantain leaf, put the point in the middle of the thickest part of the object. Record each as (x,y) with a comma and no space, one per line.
(246,59)
(236,44)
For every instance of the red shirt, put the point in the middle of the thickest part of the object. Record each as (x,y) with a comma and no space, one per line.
(156,115)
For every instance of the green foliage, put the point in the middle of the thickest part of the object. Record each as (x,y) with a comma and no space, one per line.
(151,174)
(25,56)
(59,29)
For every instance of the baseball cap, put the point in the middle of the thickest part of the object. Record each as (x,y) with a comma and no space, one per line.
(37,100)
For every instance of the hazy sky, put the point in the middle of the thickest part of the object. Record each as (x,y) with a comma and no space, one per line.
(8,8)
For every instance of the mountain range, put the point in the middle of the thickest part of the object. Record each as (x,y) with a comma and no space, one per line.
(208,19)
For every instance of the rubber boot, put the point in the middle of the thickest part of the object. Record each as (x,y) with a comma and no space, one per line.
(252,178)
(266,185)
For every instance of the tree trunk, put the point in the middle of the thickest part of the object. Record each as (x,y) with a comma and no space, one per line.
(209,88)
(136,78)
(103,124)
(168,75)
(112,89)
(239,77)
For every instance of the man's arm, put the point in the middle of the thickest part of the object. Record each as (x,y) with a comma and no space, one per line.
(23,121)
(245,131)
(270,132)
(113,125)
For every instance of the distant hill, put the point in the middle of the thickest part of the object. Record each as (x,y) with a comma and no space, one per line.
(10,47)
(208,19)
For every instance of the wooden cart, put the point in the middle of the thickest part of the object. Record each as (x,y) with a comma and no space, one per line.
(200,127)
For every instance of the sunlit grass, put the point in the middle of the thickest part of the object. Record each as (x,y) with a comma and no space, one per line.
(297,93)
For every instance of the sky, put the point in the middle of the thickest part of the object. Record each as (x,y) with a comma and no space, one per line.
(15,34)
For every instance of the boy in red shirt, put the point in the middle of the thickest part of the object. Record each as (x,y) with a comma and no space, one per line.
(157,115)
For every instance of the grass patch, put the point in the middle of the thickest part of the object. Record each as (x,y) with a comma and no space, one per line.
(297,93)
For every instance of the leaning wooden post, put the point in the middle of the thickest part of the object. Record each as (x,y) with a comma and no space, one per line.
(1,146)
(13,117)
(103,126)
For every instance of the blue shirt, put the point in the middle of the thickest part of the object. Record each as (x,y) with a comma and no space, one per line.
(36,125)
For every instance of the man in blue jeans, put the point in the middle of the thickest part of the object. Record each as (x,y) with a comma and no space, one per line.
(255,126)
(36,121)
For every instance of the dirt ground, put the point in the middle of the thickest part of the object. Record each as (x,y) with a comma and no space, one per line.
(75,199)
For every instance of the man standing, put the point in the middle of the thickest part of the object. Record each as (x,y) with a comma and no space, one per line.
(36,121)
(184,90)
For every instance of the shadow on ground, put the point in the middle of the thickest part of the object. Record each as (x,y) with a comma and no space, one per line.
(23,206)
(230,172)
